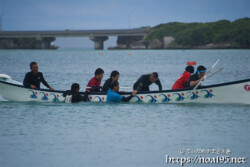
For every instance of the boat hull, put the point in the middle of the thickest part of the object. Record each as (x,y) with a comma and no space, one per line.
(228,93)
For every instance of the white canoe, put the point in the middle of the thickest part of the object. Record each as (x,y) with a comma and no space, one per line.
(237,92)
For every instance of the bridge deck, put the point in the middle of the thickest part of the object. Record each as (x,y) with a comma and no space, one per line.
(74,33)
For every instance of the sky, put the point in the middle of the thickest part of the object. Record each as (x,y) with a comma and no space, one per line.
(112,14)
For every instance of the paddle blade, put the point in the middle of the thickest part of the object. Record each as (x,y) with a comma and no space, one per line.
(5,76)
(217,71)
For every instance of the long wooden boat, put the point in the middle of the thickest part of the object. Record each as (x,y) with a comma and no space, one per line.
(237,92)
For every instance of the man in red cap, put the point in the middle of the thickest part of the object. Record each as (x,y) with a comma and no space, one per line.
(179,83)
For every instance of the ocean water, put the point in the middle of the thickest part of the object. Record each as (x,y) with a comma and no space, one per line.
(100,134)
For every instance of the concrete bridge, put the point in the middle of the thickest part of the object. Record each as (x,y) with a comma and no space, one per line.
(98,36)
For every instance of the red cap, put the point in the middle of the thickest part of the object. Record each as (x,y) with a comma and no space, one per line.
(191,63)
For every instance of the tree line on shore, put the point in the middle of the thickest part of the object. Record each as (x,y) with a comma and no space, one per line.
(235,33)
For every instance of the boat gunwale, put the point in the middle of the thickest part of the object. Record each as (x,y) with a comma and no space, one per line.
(142,92)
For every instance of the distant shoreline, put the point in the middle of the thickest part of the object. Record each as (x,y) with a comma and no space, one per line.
(222,34)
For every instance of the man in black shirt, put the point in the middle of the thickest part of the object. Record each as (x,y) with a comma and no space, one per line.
(142,84)
(74,95)
(113,77)
(34,78)
(196,78)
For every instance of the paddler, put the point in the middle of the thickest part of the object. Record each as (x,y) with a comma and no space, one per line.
(113,96)
(94,84)
(179,83)
(34,78)
(114,76)
(73,95)
(143,83)
(196,78)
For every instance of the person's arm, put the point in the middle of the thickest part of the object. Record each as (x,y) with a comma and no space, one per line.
(139,87)
(135,86)
(138,84)
(127,99)
(44,82)
(158,82)
(194,83)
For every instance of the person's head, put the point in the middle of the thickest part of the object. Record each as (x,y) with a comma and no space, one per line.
(115,86)
(201,70)
(34,67)
(75,87)
(114,75)
(153,77)
(190,69)
(99,73)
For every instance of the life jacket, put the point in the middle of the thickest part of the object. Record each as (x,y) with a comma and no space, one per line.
(179,83)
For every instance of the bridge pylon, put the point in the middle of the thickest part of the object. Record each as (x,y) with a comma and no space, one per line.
(99,41)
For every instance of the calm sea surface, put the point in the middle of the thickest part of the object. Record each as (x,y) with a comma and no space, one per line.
(103,135)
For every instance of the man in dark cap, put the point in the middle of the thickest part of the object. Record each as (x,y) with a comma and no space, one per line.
(143,83)
(197,77)
(114,76)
